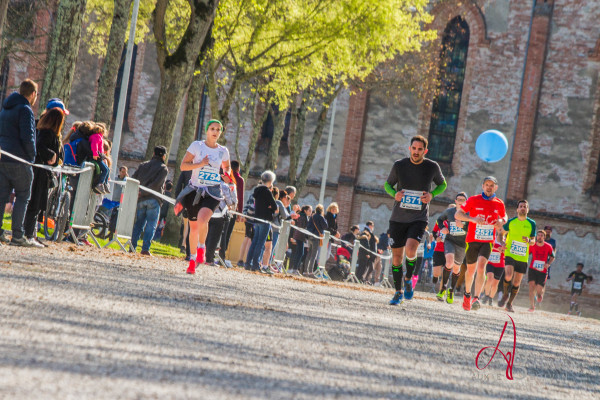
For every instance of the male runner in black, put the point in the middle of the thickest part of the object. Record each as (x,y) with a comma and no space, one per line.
(578,278)
(409,183)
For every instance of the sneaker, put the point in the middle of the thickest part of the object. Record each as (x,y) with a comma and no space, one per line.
(440,295)
(35,243)
(539,299)
(200,255)
(579,313)
(192,268)
(489,299)
(475,305)
(22,241)
(146,253)
(4,238)
(40,241)
(397,299)
(531,309)
(509,307)
(502,301)
(466,303)
(449,296)
(99,188)
(483,299)
(228,264)
(408,289)
(85,241)
(240,264)
(265,269)
(106,188)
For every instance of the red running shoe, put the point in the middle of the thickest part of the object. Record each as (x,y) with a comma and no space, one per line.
(200,255)
(467,303)
(192,268)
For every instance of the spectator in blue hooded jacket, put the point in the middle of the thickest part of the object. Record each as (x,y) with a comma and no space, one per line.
(17,136)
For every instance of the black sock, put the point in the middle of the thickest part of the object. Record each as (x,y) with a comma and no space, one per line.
(445,276)
(397,274)
(467,294)
(434,280)
(454,281)
(506,290)
(410,267)
(513,294)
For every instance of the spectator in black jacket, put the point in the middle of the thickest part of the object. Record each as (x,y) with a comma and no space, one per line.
(264,208)
(331,218)
(49,152)
(299,239)
(153,175)
(17,136)
(350,237)
(365,259)
(316,225)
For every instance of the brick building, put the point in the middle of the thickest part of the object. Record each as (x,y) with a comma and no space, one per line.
(527,68)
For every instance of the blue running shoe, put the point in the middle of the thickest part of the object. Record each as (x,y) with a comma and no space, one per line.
(408,289)
(397,299)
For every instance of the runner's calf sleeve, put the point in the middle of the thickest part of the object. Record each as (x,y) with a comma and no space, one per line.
(576,307)
(445,276)
(397,274)
(454,281)
(505,285)
(572,305)
(410,267)
(513,293)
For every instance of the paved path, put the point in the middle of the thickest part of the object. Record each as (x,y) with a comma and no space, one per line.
(82,323)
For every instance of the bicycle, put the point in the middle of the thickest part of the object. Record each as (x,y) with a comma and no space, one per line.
(58,209)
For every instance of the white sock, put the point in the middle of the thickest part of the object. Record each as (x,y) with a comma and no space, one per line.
(193,257)
(201,245)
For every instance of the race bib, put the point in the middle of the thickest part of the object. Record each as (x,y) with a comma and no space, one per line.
(455,230)
(494,258)
(411,200)
(577,285)
(518,248)
(539,265)
(442,236)
(209,176)
(484,232)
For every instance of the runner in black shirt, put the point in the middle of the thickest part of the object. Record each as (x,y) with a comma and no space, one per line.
(409,183)
(578,278)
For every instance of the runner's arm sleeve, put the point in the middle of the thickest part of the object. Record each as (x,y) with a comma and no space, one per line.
(439,189)
(389,189)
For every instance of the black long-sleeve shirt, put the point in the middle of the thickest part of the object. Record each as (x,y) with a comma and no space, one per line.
(264,203)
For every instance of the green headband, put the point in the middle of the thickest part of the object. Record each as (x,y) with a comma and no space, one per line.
(211,122)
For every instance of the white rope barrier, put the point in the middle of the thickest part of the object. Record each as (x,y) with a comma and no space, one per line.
(62,169)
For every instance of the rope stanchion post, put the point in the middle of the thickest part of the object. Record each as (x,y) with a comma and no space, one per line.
(127,212)
(352,276)
(84,206)
(281,245)
(321,272)
(387,262)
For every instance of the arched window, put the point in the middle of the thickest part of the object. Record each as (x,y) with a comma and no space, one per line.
(446,105)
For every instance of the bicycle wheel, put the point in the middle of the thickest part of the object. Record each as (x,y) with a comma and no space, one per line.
(100,226)
(50,215)
(63,216)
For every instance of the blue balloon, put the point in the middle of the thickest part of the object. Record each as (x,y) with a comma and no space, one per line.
(491,146)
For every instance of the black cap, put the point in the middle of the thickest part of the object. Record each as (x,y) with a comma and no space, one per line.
(160,151)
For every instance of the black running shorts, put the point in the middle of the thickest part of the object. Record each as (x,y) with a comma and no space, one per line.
(193,209)
(538,277)
(519,266)
(576,291)
(439,258)
(477,249)
(497,271)
(401,231)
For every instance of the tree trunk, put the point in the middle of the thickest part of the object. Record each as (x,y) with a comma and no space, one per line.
(3,8)
(295,140)
(114,50)
(279,126)
(314,144)
(188,135)
(63,51)
(177,69)
(257,123)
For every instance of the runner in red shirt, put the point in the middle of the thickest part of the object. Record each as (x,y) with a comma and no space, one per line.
(486,213)
(494,269)
(542,255)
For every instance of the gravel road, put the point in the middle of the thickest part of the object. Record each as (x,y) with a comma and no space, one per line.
(81,323)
